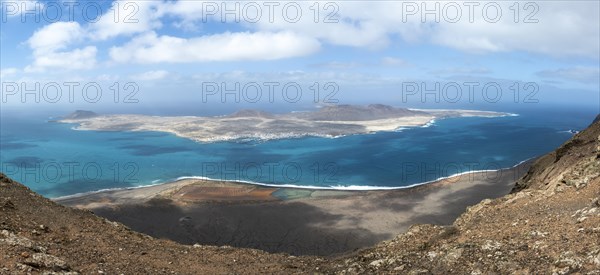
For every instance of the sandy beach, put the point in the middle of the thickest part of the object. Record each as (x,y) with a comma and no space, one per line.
(295,221)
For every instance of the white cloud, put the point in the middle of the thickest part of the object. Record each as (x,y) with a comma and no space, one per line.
(564,28)
(189,11)
(55,36)
(77,59)
(127,18)
(150,48)
(360,24)
(49,46)
(151,75)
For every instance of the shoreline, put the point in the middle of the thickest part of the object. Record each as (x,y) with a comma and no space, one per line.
(350,188)
(292,220)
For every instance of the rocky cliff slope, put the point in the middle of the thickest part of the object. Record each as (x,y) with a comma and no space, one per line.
(39,236)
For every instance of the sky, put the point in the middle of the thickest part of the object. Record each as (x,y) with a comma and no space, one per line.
(214,57)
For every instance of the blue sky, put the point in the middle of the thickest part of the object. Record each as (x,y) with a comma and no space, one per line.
(369,49)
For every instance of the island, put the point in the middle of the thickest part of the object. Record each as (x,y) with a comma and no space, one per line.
(329,121)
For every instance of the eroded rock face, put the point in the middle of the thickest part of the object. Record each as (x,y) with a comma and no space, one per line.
(569,165)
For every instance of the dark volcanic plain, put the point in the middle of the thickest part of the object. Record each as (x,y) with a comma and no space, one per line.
(294,221)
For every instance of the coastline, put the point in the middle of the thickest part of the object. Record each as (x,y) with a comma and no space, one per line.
(298,221)
(350,188)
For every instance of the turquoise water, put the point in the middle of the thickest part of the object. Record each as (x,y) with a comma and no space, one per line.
(55,160)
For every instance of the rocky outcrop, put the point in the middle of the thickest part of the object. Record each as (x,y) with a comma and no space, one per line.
(572,164)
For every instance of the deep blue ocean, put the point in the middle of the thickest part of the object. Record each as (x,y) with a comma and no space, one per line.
(55,160)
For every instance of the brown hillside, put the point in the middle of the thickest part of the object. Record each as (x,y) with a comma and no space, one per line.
(38,235)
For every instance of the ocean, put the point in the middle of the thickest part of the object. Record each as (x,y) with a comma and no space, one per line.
(55,160)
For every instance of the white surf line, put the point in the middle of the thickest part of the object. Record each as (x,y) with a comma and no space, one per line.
(292,186)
